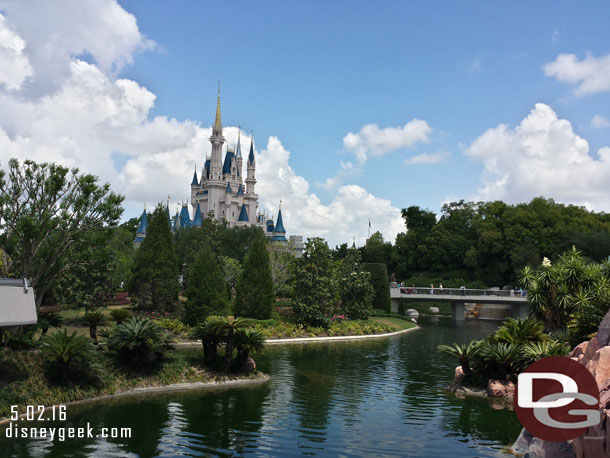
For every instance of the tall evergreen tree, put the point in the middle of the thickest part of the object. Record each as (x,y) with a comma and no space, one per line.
(315,289)
(206,289)
(355,286)
(154,284)
(255,286)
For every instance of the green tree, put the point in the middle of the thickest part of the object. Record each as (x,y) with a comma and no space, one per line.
(255,287)
(46,212)
(206,290)
(355,287)
(281,259)
(381,285)
(154,283)
(569,293)
(315,289)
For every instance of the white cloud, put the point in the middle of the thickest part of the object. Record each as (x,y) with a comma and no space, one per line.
(346,216)
(426,158)
(83,115)
(475,66)
(591,74)
(600,122)
(377,142)
(541,156)
(555,36)
(14,65)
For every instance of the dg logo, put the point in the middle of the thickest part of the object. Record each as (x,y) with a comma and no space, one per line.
(557,399)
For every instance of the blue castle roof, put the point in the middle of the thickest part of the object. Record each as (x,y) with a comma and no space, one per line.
(226,168)
(195,182)
(197,220)
(143,223)
(279,226)
(185,218)
(243,215)
(240,190)
(206,167)
(228,190)
(251,155)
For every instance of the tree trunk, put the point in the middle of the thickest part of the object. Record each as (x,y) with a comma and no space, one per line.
(93,332)
(229,350)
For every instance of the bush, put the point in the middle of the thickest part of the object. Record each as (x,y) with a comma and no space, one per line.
(70,357)
(139,340)
(355,287)
(48,320)
(381,285)
(93,320)
(247,341)
(120,315)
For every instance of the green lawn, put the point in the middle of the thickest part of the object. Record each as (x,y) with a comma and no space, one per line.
(396,323)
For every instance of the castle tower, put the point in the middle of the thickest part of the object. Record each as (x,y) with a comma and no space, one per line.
(238,157)
(217,141)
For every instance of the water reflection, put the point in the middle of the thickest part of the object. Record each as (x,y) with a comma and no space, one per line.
(381,397)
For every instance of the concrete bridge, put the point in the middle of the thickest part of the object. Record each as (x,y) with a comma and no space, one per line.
(459,297)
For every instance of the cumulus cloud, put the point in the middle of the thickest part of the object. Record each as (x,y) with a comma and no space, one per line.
(600,122)
(590,75)
(346,216)
(426,158)
(73,109)
(371,140)
(541,156)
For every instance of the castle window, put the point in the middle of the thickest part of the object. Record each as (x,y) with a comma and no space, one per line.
(232,213)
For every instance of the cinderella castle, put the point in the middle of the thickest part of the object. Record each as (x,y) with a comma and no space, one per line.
(220,193)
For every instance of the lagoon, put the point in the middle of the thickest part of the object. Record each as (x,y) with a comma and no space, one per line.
(379,397)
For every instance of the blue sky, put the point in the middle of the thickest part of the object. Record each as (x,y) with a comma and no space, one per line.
(310,73)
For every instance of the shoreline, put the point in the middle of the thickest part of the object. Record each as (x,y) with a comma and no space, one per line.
(314,339)
(174,387)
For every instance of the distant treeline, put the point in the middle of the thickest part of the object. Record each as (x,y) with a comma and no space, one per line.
(485,243)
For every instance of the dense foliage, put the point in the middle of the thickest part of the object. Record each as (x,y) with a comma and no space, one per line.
(154,284)
(486,242)
(355,287)
(381,285)
(139,341)
(47,215)
(571,294)
(207,293)
(70,357)
(255,287)
(315,286)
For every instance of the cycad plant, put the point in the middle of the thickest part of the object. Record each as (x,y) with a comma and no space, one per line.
(120,315)
(534,351)
(501,359)
(248,341)
(211,336)
(227,327)
(520,330)
(48,320)
(70,356)
(139,340)
(463,352)
(93,320)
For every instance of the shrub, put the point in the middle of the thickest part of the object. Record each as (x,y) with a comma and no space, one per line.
(463,352)
(247,341)
(381,285)
(120,315)
(211,337)
(173,325)
(48,320)
(139,341)
(520,330)
(497,360)
(93,320)
(534,351)
(70,357)
(355,287)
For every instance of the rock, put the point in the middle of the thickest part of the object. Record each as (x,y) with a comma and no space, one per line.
(458,375)
(592,348)
(603,333)
(604,395)
(599,366)
(412,313)
(500,388)
(579,350)
(433,310)
(251,364)
(522,443)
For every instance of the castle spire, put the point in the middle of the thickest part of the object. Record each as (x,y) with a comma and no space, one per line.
(217,123)
(238,149)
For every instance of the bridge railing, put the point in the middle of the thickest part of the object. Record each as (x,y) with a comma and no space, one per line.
(459,291)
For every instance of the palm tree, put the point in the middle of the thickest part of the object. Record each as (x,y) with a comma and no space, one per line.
(93,320)
(502,358)
(211,336)
(70,354)
(520,330)
(227,327)
(464,353)
(248,341)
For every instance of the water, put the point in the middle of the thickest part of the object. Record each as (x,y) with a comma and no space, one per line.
(382,397)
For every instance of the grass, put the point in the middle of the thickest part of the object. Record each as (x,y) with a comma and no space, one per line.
(397,324)
(23,380)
